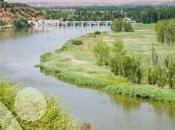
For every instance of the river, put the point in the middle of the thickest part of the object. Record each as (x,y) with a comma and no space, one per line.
(20,52)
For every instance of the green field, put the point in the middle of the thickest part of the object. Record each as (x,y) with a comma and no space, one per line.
(141,42)
(76,64)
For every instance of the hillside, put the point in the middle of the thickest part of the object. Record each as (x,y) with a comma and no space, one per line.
(11,11)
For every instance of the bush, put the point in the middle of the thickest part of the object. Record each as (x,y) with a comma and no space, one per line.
(77,42)
(45,57)
(2,23)
(118,47)
(102,52)
(21,23)
(165,31)
(119,24)
(97,33)
(127,26)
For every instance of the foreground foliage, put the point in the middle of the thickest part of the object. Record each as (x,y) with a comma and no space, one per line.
(53,119)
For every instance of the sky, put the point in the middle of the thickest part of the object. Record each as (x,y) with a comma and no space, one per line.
(93,1)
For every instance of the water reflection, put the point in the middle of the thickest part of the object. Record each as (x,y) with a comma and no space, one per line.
(129,104)
(161,110)
(13,33)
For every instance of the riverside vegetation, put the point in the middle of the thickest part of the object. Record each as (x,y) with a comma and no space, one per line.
(53,119)
(127,63)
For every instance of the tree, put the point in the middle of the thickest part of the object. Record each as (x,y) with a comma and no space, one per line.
(165,31)
(139,73)
(118,47)
(170,67)
(153,75)
(155,58)
(21,23)
(127,26)
(160,30)
(117,25)
(120,24)
(102,52)
(170,32)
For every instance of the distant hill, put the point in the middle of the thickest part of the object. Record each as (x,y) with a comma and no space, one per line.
(11,11)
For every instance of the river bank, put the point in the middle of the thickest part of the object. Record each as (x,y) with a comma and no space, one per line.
(76,64)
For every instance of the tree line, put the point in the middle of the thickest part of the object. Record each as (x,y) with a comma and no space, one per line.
(147,14)
(143,14)
(158,73)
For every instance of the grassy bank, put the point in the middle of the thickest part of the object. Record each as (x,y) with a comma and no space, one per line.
(76,63)
(53,119)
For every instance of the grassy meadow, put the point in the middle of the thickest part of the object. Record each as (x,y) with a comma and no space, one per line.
(140,42)
(77,64)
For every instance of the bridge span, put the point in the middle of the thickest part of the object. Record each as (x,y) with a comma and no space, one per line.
(69,23)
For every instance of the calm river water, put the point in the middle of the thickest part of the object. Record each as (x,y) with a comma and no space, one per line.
(20,51)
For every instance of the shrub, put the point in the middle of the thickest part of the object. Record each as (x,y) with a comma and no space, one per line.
(117,25)
(77,42)
(102,52)
(97,33)
(2,23)
(165,31)
(127,26)
(21,23)
(45,57)
(118,47)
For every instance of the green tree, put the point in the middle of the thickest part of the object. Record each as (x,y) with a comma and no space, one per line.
(170,67)
(153,75)
(165,31)
(160,30)
(127,26)
(21,23)
(117,46)
(139,73)
(102,53)
(170,32)
(117,25)
(155,58)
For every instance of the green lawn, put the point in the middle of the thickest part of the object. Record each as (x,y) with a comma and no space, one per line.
(76,64)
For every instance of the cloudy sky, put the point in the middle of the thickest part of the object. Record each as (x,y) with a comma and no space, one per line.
(92,1)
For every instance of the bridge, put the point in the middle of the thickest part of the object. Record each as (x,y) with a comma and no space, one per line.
(69,23)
